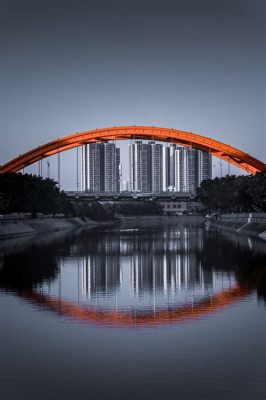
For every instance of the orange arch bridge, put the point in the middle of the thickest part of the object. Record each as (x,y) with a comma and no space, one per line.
(212,146)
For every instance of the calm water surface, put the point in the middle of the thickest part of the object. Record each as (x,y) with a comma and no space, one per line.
(166,312)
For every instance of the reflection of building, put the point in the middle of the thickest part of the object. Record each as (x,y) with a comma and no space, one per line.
(166,274)
(168,271)
(100,274)
(165,264)
(101,167)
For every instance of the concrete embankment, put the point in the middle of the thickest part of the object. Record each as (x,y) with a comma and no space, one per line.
(158,220)
(253,224)
(32,226)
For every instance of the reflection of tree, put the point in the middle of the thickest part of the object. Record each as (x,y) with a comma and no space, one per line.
(258,279)
(167,273)
(231,252)
(33,267)
(35,259)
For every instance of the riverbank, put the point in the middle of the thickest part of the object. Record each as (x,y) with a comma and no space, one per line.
(253,224)
(154,220)
(15,228)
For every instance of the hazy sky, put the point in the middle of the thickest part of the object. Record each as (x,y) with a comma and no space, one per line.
(74,65)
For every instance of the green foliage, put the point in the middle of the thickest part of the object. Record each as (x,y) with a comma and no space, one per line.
(138,208)
(98,212)
(31,193)
(93,210)
(234,193)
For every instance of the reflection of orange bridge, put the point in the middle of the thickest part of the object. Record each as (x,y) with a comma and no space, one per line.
(218,149)
(155,317)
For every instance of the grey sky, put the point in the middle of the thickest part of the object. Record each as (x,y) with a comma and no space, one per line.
(70,66)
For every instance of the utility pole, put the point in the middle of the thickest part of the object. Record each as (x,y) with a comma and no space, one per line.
(82,169)
(58,169)
(77,169)
(48,169)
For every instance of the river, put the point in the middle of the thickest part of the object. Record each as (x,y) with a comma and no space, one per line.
(162,312)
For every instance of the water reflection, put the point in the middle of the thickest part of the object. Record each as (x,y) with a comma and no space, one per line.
(162,263)
(135,277)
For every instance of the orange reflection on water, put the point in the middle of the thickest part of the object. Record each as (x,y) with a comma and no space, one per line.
(81,312)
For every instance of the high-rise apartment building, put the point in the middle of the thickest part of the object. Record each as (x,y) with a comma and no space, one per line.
(204,166)
(139,167)
(146,167)
(157,168)
(100,167)
(108,156)
(118,168)
(191,168)
(166,168)
(172,167)
(93,161)
(187,170)
(152,167)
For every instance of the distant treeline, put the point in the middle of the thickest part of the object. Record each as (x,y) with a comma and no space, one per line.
(95,210)
(30,193)
(26,193)
(234,193)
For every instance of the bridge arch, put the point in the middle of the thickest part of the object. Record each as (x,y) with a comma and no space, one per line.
(212,146)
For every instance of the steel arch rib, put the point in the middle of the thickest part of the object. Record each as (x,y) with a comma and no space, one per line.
(212,146)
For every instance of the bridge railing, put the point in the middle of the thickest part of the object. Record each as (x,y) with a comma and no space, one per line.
(244,217)
(129,195)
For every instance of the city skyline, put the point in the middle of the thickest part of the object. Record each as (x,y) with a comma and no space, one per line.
(152,168)
(133,199)
(49,167)
(74,66)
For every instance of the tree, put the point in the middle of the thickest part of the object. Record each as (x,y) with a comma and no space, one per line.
(234,193)
(31,193)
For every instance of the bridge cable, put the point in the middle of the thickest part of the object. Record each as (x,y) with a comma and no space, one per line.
(58,169)
(82,169)
(77,169)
